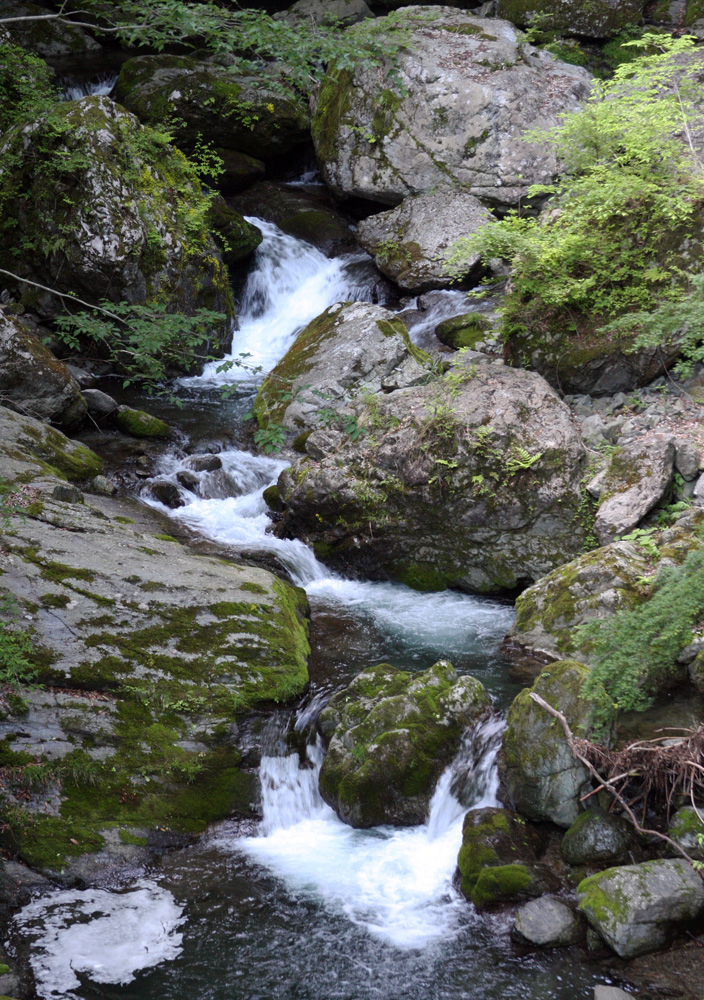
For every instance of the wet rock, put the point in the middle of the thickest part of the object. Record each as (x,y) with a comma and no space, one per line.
(601,19)
(390,734)
(548,923)
(208,101)
(409,244)
(204,463)
(512,883)
(471,330)
(103,486)
(471,480)
(543,780)
(239,170)
(167,493)
(494,838)
(686,828)
(237,238)
(595,838)
(351,348)
(468,91)
(188,480)
(140,424)
(696,672)
(67,494)
(637,908)
(33,381)
(100,404)
(636,480)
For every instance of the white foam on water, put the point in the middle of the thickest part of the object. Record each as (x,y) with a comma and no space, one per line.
(102,85)
(107,936)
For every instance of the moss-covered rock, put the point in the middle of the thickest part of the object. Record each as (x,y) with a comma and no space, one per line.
(237,238)
(494,838)
(208,102)
(469,330)
(588,18)
(511,883)
(50,39)
(390,734)
(595,838)
(542,778)
(30,448)
(687,830)
(139,423)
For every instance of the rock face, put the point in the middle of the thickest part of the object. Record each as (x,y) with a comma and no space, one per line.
(33,381)
(351,348)
(547,923)
(46,38)
(599,19)
(595,837)
(470,91)
(161,649)
(113,225)
(541,777)
(637,908)
(409,244)
(209,101)
(636,480)
(471,480)
(390,734)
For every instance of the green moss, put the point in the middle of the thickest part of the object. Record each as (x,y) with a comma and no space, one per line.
(167,538)
(253,588)
(131,838)
(55,600)
(463,331)
(141,424)
(334,100)
(503,882)
(124,520)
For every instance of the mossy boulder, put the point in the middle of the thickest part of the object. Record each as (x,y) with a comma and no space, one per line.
(512,883)
(389,736)
(639,908)
(97,205)
(593,19)
(542,778)
(494,838)
(209,102)
(471,480)
(467,89)
(139,423)
(236,238)
(352,348)
(686,829)
(469,330)
(30,448)
(596,838)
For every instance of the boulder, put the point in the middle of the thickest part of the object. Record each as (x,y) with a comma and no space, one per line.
(686,828)
(209,103)
(495,839)
(600,19)
(299,214)
(167,493)
(327,12)
(352,348)
(595,838)
(239,170)
(471,480)
(468,89)
(542,779)
(100,404)
(33,381)
(638,908)
(409,243)
(141,424)
(46,38)
(637,478)
(470,330)
(237,238)
(389,736)
(115,217)
(547,923)
(511,883)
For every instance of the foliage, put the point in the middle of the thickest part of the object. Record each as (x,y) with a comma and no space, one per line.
(632,189)
(26,85)
(636,649)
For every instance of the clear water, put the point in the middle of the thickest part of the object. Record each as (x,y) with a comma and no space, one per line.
(303,907)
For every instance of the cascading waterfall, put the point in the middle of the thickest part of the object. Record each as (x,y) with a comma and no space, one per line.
(102,85)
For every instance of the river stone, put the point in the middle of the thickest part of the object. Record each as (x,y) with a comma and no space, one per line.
(127,235)
(637,478)
(547,923)
(638,908)
(390,734)
(327,12)
(471,330)
(595,838)
(471,480)
(352,348)
(299,214)
(542,778)
(598,19)
(46,38)
(237,238)
(141,424)
(33,381)
(409,243)
(492,838)
(147,653)
(686,828)
(167,493)
(208,101)
(468,89)
(100,404)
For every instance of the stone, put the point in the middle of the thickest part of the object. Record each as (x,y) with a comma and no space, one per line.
(468,89)
(189,480)
(239,170)
(67,493)
(611,993)
(208,101)
(471,480)
(547,923)
(48,39)
(389,736)
(511,883)
(33,381)
(100,404)
(237,238)
(126,235)
(699,491)
(600,19)
(595,838)
(409,243)
(637,479)
(352,348)
(687,461)
(138,423)
(30,448)
(638,908)
(696,672)
(542,778)
(327,12)
(686,828)
(167,493)
(494,838)
(103,486)
(471,330)
(204,463)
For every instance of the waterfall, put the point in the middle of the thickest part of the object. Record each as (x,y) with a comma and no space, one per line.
(100,85)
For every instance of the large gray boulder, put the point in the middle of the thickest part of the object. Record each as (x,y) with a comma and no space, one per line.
(637,478)
(468,89)
(409,244)
(33,381)
(121,222)
(638,908)
(471,480)
(598,19)
(542,778)
(352,348)
(390,734)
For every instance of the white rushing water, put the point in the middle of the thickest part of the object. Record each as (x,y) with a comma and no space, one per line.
(102,85)
(394,882)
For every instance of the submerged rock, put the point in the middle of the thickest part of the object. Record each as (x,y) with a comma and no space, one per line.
(472,480)
(638,908)
(390,734)
(468,89)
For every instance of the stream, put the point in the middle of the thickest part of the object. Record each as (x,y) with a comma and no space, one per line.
(301,906)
